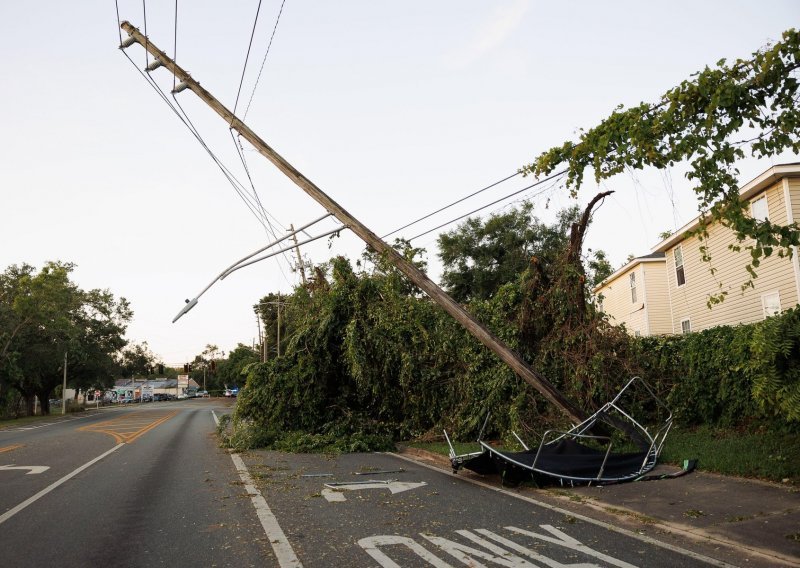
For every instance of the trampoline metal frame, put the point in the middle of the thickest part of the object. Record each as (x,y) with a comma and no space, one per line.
(655,441)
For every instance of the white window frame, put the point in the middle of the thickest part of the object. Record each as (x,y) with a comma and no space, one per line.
(680,269)
(759,208)
(771,303)
(632,283)
(688,327)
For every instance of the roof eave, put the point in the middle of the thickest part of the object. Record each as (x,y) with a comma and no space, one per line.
(753,187)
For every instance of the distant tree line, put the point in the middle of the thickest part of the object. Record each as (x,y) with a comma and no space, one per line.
(47,321)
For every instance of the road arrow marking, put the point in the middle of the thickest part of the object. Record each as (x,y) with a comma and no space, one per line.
(33,468)
(333,492)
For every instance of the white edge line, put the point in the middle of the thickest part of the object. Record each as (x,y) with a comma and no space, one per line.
(637,536)
(280,544)
(11,512)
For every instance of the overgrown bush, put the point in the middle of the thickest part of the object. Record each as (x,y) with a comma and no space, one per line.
(731,376)
(369,360)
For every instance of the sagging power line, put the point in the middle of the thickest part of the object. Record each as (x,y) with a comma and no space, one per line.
(419,278)
(253,203)
(495,202)
(443,208)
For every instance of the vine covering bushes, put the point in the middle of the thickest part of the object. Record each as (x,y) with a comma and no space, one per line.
(369,361)
(746,375)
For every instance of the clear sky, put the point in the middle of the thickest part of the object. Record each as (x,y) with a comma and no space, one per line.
(393,108)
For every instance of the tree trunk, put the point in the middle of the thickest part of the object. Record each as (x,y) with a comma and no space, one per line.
(30,400)
(44,399)
(573,260)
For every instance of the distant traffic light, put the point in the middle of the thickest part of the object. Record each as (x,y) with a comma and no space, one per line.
(186,367)
(161,368)
(189,368)
(213,365)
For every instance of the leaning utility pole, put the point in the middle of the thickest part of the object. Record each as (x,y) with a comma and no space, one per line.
(473,326)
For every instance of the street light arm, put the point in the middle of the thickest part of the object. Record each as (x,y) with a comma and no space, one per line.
(272,244)
(193,302)
(270,255)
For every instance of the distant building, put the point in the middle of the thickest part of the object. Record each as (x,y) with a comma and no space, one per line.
(689,282)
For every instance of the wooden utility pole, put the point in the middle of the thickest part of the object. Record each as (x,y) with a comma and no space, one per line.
(473,326)
(278,342)
(300,265)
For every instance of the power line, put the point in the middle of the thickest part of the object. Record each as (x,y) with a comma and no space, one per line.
(450,205)
(175,45)
(541,181)
(240,189)
(184,118)
(278,19)
(119,28)
(146,52)
(247,57)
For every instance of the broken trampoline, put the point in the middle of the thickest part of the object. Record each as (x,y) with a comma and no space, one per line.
(580,455)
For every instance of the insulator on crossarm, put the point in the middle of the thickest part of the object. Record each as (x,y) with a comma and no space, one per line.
(180,87)
(127,42)
(156,63)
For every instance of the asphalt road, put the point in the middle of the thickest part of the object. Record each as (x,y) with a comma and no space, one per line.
(149,486)
(342,511)
(165,496)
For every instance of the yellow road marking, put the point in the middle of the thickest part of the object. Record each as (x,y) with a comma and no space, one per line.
(11,448)
(126,429)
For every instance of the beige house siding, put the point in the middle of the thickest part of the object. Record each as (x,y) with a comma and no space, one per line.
(792,188)
(774,274)
(794,192)
(658,312)
(617,302)
(651,299)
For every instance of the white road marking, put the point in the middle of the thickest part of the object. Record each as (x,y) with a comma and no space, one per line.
(280,544)
(34,469)
(42,425)
(562,539)
(607,526)
(11,512)
(333,496)
(333,491)
(371,544)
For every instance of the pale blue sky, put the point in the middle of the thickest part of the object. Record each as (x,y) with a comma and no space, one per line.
(393,108)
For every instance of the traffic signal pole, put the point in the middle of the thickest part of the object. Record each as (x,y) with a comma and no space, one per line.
(473,326)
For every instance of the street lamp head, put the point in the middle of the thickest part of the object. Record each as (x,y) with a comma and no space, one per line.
(189,305)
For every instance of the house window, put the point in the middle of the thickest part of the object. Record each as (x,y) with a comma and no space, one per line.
(686,326)
(637,333)
(758,209)
(633,287)
(680,275)
(771,303)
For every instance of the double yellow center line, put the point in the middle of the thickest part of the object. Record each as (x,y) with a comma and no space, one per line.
(127,428)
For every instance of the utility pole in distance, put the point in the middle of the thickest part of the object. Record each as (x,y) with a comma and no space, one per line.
(300,265)
(419,278)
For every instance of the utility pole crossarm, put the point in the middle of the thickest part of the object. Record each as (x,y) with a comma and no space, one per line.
(477,329)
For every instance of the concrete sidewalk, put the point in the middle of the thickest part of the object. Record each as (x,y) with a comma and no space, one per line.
(760,520)
(740,522)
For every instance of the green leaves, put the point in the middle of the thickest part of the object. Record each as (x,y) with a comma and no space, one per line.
(42,316)
(701,121)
